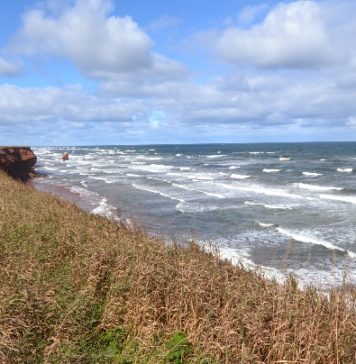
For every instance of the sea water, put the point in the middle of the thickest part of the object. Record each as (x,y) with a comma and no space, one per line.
(288,208)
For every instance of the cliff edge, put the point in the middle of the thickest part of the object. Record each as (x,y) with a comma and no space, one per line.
(18,162)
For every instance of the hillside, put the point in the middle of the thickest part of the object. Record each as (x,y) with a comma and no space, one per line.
(77,288)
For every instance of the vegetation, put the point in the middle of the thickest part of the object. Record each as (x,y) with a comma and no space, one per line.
(78,288)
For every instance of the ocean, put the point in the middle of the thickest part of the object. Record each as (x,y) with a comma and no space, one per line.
(284,207)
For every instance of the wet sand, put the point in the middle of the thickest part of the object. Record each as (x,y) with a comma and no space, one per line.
(62,192)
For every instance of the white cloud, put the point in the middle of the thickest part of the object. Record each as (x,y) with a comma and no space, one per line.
(72,103)
(94,40)
(8,69)
(292,35)
(153,98)
(249,13)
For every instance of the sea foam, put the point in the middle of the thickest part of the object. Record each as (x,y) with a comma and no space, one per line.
(344,170)
(311,174)
(349,199)
(269,206)
(270,170)
(239,176)
(312,240)
(310,187)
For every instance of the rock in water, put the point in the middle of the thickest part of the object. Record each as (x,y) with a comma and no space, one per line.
(18,162)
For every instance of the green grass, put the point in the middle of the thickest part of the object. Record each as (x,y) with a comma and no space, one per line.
(77,288)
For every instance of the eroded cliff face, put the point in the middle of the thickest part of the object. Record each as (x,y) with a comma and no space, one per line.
(18,162)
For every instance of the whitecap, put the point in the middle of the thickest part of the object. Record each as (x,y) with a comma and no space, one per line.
(242,257)
(233,167)
(263,224)
(200,176)
(311,174)
(239,176)
(145,188)
(217,195)
(260,190)
(268,206)
(349,199)
(149,158)
(185,207)
(216,156)
(284,158)
(312,240)
(104,209)
(153,168)
(316,187)
(344,170)
(270,170)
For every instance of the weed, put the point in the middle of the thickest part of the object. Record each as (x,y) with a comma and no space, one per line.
(179,348)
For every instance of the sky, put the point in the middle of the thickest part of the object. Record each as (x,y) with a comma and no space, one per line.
(95,72)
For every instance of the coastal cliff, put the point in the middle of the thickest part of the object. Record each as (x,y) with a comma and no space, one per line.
(79,288)
(18,162)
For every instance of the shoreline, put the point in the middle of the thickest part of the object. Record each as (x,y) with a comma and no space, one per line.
(225,253)
(86,287)
(62,192)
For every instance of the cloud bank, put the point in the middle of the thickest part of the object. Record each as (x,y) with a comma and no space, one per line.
(290,75)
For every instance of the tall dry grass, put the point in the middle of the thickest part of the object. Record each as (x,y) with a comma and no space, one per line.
(77,288)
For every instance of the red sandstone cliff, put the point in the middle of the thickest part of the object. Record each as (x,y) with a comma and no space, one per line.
(18,162)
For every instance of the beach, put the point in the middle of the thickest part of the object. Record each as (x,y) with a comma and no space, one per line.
(287,208)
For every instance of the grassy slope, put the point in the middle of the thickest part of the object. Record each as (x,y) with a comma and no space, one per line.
(76,288)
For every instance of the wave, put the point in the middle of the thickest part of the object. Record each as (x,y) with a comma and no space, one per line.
(185,168)
(261,190)
(237,257)
(284,158)
(344,170)
(216,156)
(179,155)
(256,153)
(313,240)
(185,207)
(138,163)
(233,167)
(105,179)
(349,199)
(199,176)
(316,187)
(239,176)
(153,168)
(149,158)
(104,209)
(311,174)
(144,188)
(263,224)
(270,170)
(268,206)
(159,179)
(217,195)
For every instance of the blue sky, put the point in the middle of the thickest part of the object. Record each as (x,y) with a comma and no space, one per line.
(79,72)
